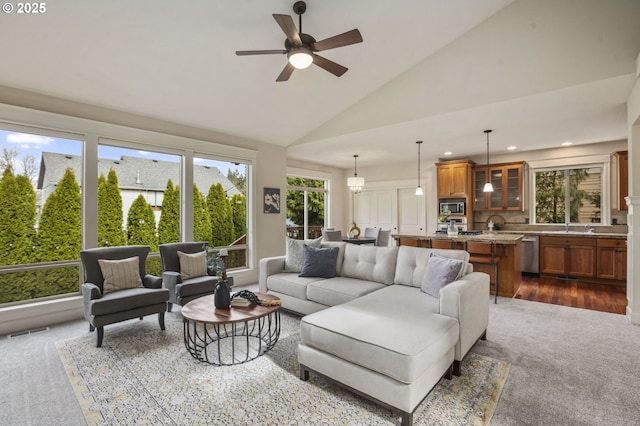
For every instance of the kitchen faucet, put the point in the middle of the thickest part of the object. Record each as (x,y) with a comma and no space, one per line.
(588,227)
(566,227)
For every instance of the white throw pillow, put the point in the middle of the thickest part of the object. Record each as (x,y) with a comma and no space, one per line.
(440,271)
(120,274)
(192,265)
(294,258)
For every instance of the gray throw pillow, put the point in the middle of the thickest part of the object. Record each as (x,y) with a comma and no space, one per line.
(295,256)
(319,262)
(439,272)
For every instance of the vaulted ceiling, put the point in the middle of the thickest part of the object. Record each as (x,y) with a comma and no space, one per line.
(538,72)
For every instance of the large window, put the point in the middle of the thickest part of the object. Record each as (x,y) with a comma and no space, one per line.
(220,207)
(569,195)
(40,214)
(306,207)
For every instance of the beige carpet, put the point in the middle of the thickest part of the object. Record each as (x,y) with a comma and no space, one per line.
(145,376)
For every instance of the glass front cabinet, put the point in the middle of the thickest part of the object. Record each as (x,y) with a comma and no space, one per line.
(507,184)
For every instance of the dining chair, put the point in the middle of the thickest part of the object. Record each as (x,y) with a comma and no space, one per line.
(371,232)
(383,238)
(332,235)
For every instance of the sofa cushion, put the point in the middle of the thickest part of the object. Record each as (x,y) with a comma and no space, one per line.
(370,263)
(290,284)
(340,290)
(294,258)
(412,262)
(192,265)
(341,246)
(439,272)
(120,274)
(319,262)
(397,339)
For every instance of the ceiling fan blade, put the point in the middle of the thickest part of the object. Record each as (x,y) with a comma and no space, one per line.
(344,39)
(286,72)
(259,52)
(332,67)
(289,28)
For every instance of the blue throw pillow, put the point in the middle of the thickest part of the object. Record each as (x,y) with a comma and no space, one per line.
(319,262)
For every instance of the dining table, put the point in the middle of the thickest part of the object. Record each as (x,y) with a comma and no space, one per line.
(360,240)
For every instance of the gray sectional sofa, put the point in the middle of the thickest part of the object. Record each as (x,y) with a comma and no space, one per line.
(372,329)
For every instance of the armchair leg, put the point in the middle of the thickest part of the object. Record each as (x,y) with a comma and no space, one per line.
(169,306)
(100,336)
(161,320)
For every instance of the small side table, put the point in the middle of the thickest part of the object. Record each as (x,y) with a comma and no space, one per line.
(230,336)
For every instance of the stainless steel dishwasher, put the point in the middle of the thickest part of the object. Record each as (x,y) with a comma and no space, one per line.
(529,261)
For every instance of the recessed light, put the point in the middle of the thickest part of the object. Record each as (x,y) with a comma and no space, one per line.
(448,153)
(567,143)
(511,148)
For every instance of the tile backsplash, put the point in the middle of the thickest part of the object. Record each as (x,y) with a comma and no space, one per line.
(519,221)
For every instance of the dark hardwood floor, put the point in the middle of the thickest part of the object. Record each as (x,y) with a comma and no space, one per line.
(597,297)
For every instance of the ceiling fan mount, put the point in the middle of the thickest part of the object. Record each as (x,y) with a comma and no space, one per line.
(300,47)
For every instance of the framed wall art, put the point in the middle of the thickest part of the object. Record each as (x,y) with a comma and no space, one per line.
(272,200)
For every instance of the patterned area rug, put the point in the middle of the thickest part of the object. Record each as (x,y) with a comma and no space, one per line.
(144,376)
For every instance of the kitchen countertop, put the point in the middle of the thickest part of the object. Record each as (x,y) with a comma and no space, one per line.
(499,238)
(511,237)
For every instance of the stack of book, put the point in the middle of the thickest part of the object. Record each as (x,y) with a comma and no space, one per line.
(240,302)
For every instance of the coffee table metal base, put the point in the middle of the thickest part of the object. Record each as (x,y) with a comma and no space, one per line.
(232,343)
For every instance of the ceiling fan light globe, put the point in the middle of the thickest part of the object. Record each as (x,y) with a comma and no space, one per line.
(300,58)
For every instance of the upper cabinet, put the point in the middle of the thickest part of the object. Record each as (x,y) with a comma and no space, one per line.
(622,160)
(454,178)
(507,181)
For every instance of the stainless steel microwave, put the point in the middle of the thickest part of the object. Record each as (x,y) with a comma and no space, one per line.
(457,208)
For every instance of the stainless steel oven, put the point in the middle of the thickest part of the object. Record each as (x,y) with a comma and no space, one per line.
(461,224)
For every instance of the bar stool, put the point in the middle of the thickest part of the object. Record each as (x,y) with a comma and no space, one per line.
(484,252)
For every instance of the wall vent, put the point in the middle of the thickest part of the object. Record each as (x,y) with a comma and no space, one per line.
(28,332)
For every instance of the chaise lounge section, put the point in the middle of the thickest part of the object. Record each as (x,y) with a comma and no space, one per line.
(373,329)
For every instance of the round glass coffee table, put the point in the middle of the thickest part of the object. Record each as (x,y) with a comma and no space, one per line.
(230,336)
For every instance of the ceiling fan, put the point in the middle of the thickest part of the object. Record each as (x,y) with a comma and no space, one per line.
(300,48)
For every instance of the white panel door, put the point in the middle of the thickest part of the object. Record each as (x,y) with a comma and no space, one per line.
(410,212)
(376,208)
(387,209)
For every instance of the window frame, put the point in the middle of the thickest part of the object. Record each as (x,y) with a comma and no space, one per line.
(581,162)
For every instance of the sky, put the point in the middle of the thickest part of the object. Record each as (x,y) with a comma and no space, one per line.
(34,144)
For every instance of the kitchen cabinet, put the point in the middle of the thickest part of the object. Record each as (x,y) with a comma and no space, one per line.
(568,256)
(622,172)
(507,181)
(454,178)
(612,259)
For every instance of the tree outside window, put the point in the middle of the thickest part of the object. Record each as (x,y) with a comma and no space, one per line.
(568,195)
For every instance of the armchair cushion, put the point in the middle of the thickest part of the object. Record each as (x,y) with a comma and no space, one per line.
(127,300)
(120,274)
(192,265)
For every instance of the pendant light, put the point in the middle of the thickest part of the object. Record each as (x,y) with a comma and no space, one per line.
(419,188)
(355,183)
(488,187)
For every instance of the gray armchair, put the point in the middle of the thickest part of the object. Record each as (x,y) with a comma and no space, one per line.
(183,291)
(102,308)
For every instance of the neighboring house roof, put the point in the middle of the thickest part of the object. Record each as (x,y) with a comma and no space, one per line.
(133,173)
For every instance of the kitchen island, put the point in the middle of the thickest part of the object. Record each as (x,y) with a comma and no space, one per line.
(508,248)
